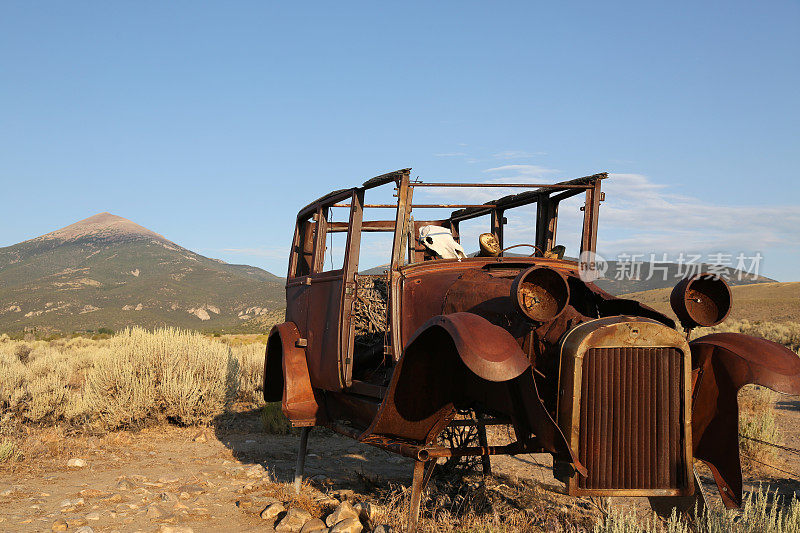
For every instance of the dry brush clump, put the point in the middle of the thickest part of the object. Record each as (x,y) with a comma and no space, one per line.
(128,380)
(761,511)
(786,333)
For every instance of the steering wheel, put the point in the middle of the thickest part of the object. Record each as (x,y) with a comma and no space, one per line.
(535,249)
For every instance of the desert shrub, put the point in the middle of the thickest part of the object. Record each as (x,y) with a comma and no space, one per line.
(273,419)
(786,333)
(9,451)
(173,374)
(251,371)
(22,352)
(761,511)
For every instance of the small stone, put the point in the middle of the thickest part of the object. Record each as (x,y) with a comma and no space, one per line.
(167,497)
(192,489)
(154,511)
(366,510)
(116,497)
(84,529)
(93,516)
(348,525)
(271,511)
(76,463)
(343,494)
(167,480)
(200,437)
(313,525)
(345,510)
(383,528)
(244,503)
(180,507)
(91,493)
(175,529)
(293,521)
(185,495)
(255,471)
(60,525)
(124,484)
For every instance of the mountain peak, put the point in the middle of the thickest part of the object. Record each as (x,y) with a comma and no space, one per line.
(103,226)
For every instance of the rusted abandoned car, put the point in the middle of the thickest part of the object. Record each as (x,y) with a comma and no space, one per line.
(610,387)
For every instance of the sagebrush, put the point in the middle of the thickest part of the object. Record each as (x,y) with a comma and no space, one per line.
(130,379)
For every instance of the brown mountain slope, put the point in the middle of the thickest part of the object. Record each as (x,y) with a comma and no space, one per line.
(106,271)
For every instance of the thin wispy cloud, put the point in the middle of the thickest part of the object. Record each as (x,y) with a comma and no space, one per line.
(450,154)
(641,215)
(517,154)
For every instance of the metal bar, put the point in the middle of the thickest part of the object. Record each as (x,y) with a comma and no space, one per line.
(486,462)
(517,185)
(301,459)
(480,422)
(421,206)
(416,495)
(515,448)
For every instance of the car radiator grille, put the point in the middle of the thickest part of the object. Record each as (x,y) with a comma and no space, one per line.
(631,419)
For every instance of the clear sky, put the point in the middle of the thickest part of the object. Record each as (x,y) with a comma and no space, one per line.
(212,123)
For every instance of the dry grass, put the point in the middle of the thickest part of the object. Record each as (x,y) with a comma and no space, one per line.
(786,333)
(9,451)
(128,380)
(761,511)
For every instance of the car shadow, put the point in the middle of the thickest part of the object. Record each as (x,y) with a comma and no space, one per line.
(792,404)
(332,461)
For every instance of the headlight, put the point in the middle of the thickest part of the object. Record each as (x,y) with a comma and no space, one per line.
(540,293)
(701,300)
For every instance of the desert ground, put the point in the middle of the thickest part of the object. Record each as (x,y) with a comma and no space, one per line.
(105,435)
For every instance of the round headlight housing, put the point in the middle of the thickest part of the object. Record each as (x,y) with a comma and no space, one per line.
(540,293)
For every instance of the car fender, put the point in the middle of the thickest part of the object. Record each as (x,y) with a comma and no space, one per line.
(286,376)
(453,359)
(488,350)
(723,363)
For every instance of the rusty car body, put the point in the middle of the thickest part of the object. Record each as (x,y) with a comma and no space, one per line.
(610,387)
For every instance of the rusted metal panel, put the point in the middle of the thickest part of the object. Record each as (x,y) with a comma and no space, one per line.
(725,362)
(624,402)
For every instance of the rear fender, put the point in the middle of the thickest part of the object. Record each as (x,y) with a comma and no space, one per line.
(286,377)
(723,364)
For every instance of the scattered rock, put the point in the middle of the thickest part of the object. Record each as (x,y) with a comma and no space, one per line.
(167,480)
(60,525)
(244,503)
(348,525)
(175,529)
(76,463)
(168,497)
(200,437)
(272,510)
(313,525)
(124,484)
(154,511)
(192,489)
(345,510)
(84,529)
(92,493)
(294,520)
(343,494)
(256,471)
(366,510)
(383,528)
(93,516)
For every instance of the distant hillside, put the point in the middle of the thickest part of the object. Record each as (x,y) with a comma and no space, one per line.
(106,271)
(664,275)
(773,302)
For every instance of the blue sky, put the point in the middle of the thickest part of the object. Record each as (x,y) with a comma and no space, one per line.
(213,123)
